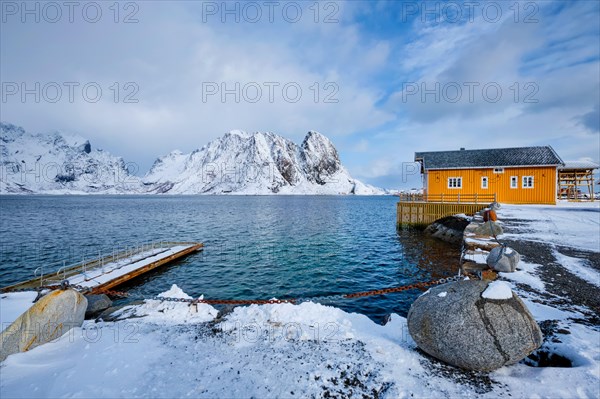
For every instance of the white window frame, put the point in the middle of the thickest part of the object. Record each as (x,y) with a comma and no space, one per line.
(485,182)
(527,182)
(498,170)
(515,180)
(457,182)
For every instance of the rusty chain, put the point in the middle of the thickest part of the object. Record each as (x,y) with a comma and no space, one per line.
(192,301)
(323,298)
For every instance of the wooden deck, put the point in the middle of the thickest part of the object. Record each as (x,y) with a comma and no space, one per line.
(112,270)
(419,210)
(420,214)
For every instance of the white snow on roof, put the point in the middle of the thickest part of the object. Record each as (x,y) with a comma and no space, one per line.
(571,165)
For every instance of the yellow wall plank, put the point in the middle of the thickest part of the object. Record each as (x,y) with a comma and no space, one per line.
(543,191)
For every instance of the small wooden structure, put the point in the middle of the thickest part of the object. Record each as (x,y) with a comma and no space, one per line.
(576,180)
(420,210)
(114,269)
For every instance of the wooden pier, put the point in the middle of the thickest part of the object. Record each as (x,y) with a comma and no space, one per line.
(109,271)
(418,210)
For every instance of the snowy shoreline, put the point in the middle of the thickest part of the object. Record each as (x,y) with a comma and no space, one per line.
(168,349)
(236,194)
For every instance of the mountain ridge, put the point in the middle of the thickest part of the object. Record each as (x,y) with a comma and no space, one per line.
(259,163)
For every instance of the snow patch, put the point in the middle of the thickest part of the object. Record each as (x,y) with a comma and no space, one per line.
(526,273)
(572,224)
(168,312)
(578,267)
(13,305)
(498,290)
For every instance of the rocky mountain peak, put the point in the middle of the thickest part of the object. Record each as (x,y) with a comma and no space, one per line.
(57,163)
(320,157)
(258,163)
(10,132)
(238,163)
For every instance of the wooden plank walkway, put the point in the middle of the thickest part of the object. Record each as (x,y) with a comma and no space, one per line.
(112,270)
(420,214)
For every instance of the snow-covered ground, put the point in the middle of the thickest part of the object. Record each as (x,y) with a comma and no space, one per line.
(573,224)
(169,349)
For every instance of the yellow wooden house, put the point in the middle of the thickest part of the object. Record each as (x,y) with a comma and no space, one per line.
(523,175)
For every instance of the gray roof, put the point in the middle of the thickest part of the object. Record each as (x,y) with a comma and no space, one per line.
(579,165)
(489,158)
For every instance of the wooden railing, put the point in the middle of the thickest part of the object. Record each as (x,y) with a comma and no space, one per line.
(449,198)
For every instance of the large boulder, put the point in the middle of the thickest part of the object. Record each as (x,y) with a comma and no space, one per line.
(48,319)
(503,259)
(475,325)
(96,304)
(486,229)
(449,228)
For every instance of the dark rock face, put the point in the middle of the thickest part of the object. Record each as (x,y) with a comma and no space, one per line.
(320,158)
(97,304)
(64,178)
(86,147)
(449,228)
(455,324)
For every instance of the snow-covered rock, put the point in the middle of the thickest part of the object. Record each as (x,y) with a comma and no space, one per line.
(503,259)
(59,164)
(168,312)
(475,325)
(256,163)
(48,319)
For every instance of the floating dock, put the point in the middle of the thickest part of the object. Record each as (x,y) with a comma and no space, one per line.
(109,271)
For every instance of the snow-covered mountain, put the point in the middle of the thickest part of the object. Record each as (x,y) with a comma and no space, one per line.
(237,163)
(256,163)
(59,164)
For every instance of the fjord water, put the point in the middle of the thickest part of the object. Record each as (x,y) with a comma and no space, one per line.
(256,247)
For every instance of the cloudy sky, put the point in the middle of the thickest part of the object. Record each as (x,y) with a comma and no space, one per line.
(380,79)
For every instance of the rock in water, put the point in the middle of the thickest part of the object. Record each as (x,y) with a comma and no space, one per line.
(455,324)
(503,259)
(449,228)
(48,319)
(97,304)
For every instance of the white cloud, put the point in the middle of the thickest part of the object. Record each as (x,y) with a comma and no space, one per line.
(173,58)
(171,52)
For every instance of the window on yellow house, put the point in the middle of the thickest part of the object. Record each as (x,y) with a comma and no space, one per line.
(527,182)
(455,182)
(484,182)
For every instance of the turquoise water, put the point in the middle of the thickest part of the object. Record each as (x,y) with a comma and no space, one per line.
(256,247)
